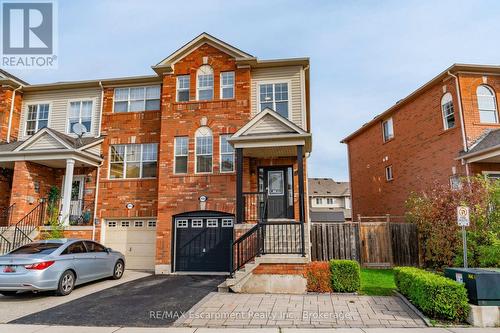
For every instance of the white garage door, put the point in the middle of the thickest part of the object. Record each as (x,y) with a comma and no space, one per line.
(136,239)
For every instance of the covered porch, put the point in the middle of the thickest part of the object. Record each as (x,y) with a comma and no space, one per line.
(484,157)
(270,188)
(49,176)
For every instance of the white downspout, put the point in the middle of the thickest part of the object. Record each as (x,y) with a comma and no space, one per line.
(462,122)
(96,196)
(100,111)
(12,111)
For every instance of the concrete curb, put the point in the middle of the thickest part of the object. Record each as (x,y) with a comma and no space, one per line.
(426,320)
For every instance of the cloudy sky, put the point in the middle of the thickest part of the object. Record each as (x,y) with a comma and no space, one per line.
(365,55)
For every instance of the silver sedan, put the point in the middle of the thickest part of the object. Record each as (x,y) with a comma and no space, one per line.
(57,264)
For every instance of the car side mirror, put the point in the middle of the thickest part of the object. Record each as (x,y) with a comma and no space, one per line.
(108,249)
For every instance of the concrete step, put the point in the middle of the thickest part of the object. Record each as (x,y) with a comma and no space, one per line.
(223,287)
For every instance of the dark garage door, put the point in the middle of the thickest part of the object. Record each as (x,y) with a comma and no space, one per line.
(202,241)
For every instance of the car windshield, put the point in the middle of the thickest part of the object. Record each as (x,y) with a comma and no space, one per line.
(37,248)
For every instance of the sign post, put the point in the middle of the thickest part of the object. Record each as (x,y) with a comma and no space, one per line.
(463,221)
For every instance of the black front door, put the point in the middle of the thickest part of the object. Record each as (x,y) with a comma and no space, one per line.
(202,243)
(277,182)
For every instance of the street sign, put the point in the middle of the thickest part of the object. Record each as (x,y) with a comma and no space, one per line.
(463,216)
(463,221)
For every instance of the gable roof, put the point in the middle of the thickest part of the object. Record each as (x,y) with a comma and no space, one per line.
(52,137)
(203,38)
(327,187)
(270,120)
(7,77)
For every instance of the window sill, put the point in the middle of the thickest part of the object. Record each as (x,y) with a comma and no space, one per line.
(128,179)
(207,101)
(449,130)
(133,112)
(387,141)
(487,124)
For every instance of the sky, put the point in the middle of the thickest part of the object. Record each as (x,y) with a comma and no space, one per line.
(364,55)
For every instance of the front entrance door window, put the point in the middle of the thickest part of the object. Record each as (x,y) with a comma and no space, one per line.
(76,204)
(275,183)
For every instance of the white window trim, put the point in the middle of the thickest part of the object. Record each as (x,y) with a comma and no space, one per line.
(221,153)
(199,223)
(215,223)
(175,155)
(125,162)
(128,98)
(92,115)
(445,123)
(25,122)
(198,85)
(196,156)
(494,96)
(183,89)
(227,86)
(383,129)
(227,223)
(181,224)
(487,173)
(386,173)
(273,82)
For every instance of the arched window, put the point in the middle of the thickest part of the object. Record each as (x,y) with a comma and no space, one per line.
(487,104)
(204,149)
(205,83)
(448,111)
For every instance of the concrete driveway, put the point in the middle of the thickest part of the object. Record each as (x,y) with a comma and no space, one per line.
(151,301)
(25,304)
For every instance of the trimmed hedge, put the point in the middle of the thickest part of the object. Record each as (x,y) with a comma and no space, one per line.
(435,295)
(346,275)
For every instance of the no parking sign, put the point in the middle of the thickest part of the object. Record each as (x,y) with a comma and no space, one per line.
(463,216)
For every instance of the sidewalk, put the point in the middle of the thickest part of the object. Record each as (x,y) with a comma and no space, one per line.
(8,328)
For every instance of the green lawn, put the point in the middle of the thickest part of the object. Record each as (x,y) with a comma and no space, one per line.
(377,282)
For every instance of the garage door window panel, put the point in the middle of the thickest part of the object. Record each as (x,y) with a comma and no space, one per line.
(197,224)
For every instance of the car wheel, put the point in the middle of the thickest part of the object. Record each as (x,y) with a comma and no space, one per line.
(66,283)
(118,270)
(8,292)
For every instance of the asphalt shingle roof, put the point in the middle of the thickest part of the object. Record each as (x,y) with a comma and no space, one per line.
(328,186)
(489,140)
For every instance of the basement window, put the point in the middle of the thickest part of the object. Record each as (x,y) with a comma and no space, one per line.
(388,173)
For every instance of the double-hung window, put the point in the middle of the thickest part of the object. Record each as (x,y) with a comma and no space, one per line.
(448,111)
(136,99)
(80,112)
(181,154)
(226,154)
(133,161)
(205,86)
(227,85)
(37,118)
(387,129)
(183,88)
(204,150)
(275,97)
(487,105)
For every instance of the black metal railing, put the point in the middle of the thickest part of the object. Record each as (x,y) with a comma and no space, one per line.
(5,244)
(254,207)
(25,226)
(6,216)
(268,238)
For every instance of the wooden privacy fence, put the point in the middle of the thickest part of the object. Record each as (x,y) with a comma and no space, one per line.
(374,243)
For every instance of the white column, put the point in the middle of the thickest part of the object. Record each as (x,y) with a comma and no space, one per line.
(66,199)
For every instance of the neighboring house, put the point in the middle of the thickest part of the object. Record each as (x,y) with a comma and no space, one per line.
(446,130)
(173,167)
(329,200)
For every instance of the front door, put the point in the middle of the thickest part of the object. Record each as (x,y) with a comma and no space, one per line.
(76,204)
(277,182)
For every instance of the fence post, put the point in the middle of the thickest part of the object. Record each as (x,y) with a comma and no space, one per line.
(360,243)
(389,238)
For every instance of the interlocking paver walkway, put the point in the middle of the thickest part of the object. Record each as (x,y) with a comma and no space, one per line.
(301,311)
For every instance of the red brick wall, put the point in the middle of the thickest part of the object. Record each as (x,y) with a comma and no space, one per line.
(24,178)
(421,153)
(114,194)
(180,193)
(282,269)
(5,104)
(468,86)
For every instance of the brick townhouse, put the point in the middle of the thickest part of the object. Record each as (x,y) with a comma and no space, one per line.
(200,167)
(444,131)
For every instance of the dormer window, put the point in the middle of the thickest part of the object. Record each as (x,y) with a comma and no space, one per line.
(205,83)
(387,129)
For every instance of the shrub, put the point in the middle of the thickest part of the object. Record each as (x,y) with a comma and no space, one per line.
(318,277)
(345,275)
(489,255)
(435,295)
